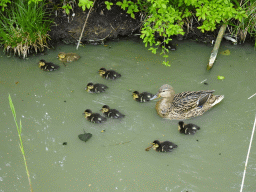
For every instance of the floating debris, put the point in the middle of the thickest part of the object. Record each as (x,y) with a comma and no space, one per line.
(64,143)
(252,96)
(203,81)
(227,52)
(220,77)
(85,137)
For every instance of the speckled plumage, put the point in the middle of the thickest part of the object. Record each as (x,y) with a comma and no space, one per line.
(187,129)
(96,88)
(94,117)
(142,97)
(184,105)
(111,113)
(109,74)
(47,66)
(165,146)
(68,57)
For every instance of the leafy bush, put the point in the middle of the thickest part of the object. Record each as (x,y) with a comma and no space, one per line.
(166,18)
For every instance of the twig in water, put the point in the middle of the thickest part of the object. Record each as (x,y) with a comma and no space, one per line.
(203,81)
(247,157)
(84,25)
(252,96)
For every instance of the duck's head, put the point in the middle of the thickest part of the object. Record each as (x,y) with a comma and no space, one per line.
(87,113)
(102,71)
(105,108)
(135,94)
(164,91)
(61,55)
(89,86)
(180,125)
(41,63)
(156,144)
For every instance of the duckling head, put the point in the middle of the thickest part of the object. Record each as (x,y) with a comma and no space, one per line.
(165,91)
(41,63)
(61,55)
(156,144)
(180,125)
(102,71)
(89,86)
(87,113)
(105,108)
(135,94)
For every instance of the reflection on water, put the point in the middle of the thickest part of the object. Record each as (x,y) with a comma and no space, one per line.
(50,106)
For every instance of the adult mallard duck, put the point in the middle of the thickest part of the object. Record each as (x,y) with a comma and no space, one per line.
(187,129)
(142,97)
(47,66)
(184,105)
(109,74)
(165,146)
(111,113)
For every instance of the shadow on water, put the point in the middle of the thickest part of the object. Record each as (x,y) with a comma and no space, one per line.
(50,105)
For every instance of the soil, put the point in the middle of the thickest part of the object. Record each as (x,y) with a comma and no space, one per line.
(103,25)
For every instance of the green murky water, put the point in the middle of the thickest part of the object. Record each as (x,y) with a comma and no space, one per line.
(50,106)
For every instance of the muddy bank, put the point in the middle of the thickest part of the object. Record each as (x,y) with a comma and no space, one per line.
(102,24)
(112,24)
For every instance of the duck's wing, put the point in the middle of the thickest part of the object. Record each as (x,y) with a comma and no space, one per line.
(185,101)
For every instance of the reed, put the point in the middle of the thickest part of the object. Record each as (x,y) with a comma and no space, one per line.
(19,129)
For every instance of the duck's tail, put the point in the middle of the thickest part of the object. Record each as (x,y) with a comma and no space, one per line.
(216,99)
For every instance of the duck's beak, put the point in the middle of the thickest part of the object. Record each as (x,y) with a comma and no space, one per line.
(155,96)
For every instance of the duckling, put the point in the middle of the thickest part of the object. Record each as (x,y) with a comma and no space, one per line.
(68,57)
(187,129)
(47,66)
(184,105)
(111,113)
(142,97)
(94,117)
(165,146)
(109,74)
(95,88)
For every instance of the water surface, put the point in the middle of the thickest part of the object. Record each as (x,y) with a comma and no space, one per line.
(50,106)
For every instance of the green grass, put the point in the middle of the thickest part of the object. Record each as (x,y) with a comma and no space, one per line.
(19,129)
(24,27)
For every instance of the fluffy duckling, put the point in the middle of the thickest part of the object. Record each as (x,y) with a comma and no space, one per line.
(94,117)
(108,74)
(95,88)
(111,113)
(165,146)
(68,57)
(142,97)
(47,66)
(187,129)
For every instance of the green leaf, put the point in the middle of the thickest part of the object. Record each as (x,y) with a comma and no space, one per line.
(119,3)
(220,77)
(164,6)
